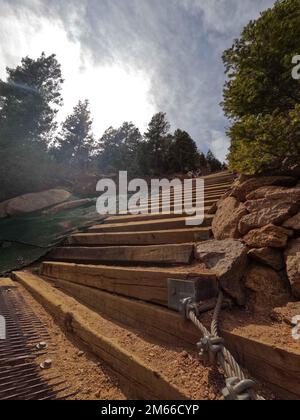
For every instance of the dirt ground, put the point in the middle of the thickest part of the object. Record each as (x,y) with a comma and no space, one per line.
(84,373)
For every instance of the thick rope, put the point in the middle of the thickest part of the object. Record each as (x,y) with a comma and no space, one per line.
(225,358)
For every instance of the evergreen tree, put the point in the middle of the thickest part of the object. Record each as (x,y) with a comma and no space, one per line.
(119,148)
(183,152)
(214,165)
(157,143)
(75,143)
(29,101)
(261,97)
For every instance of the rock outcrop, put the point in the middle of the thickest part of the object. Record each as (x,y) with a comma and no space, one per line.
(226,221)
(268,236)
(268,256)
(228,259)
(29,203)
(263,212)
(265,289)
(242,189)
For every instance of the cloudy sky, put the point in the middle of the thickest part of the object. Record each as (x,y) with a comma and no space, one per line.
(132,58)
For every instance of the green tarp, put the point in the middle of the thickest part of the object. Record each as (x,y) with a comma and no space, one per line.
(25,239)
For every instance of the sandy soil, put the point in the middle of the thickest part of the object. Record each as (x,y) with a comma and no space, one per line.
(84,373)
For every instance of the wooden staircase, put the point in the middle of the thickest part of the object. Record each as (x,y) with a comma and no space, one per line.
(109,287)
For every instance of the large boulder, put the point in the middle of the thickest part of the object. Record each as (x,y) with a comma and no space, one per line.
(241,190)
(228,259)
(265,288)
(29,203)
(226,221)
(276,208)
(292,258)
(268,236)
(268,256)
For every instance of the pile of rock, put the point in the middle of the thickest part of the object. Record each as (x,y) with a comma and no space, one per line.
(260,217)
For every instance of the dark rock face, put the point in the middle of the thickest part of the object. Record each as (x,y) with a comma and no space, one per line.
(293,223)
(268,256)
(228,259)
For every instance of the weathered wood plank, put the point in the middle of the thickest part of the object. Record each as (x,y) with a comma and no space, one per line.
(147,217)
(151,225)
(141,283)
(156,254)
(179,236)
(173,206)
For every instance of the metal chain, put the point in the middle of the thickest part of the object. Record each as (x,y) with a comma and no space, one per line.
(236,379)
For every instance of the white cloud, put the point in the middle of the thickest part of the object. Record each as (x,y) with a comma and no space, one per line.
(133,57)
(116,93)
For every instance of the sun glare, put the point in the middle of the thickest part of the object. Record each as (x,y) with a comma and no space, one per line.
(116,93)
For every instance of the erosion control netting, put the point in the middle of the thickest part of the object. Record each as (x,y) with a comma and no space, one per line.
(25,239)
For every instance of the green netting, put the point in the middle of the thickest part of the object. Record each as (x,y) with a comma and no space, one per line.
(25,239)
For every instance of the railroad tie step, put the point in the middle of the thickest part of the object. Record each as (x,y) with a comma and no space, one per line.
(154,254)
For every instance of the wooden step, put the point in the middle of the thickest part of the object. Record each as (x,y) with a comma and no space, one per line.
(220,190)
(6,283)
(156,254)
(176,205)
(160,237)
(189,199)
(278,366)
(149,217)
(145,369)
(148,284)
(151,225)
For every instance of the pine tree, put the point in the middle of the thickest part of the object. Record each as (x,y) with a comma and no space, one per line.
(119,148)
(75,142)
(156,143)
(183,152)
(260,96)
(29,101)
(214,165)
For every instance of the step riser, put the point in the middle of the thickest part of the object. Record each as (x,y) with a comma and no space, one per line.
(208,193)
(172,254)
(176,200)
(140,238)
(176,206)
(146,285)
(146,218)
(162,224)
